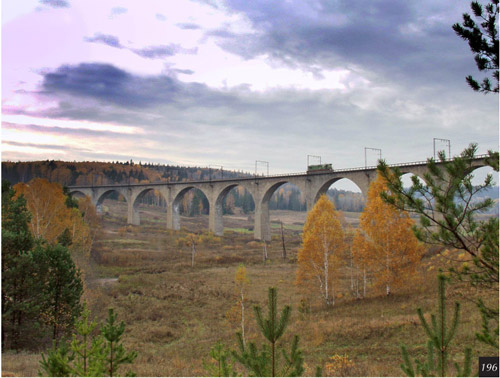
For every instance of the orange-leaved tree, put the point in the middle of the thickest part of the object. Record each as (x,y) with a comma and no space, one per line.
(322,246)
(47,204)
(55,219)
(384,243)
(91,221)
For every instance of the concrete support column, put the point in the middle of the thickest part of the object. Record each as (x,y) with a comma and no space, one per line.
(93,196)
(173,217)
(215,223)
(133,215)
(309,198)
(262,227)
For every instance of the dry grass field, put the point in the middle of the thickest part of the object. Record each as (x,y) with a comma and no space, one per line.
(175,313)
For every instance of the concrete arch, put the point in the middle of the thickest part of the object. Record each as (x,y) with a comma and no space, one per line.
(326,185)
(216,223)
(103,193)
(478,166)
(83,193)
(410,174)
(136,197)
(480,173)
(178,196)
(269,191)
(173,214)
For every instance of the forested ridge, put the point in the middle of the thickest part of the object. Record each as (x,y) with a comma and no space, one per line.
(103,173)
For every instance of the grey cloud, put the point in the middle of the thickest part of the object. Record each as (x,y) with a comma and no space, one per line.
(395,39)
(162,51)
(279,125)
(181,71)
(118,10)
(56,3)
(106,39)
(189,26)
(155,52)
(160,17)
(45,146)
(57,130)
(109,84)
(149,52)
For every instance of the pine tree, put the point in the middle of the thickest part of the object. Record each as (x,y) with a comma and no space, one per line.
(88,351)
(265,362)
(57,363)
(438,344)
(89,354)
(70,201)
(114,350)
(65,238)
(220,366)
(483,42)
(448,208)
(21,290)
(62,287)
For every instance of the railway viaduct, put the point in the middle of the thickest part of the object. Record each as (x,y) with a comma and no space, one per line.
(312,185)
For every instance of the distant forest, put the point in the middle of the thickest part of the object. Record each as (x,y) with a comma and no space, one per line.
(287,197)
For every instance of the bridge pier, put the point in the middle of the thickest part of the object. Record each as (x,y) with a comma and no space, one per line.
(215,222)
(173,217)
(262,224)
(133,216)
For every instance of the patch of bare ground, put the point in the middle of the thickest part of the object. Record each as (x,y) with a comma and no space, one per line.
(174,313)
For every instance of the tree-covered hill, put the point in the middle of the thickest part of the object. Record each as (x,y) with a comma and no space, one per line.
(101,173)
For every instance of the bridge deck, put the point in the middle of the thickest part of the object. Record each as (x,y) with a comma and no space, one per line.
(263,177)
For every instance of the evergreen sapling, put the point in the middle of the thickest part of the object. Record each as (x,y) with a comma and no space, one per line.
(438,344)
(265,362)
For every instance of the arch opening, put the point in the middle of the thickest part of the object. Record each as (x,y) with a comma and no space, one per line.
(407,179)
(346,196)
(191,206)
(151,206)
(112,203)
(77,194)
(480,174)
(284,208)
(234,208)
(237,200)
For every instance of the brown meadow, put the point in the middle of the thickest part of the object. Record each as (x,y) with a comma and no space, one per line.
(175,313)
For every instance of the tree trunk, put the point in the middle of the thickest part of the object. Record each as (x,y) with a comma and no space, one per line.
(325,262)
(193,251)
(242,317)
(283,241)
(352,278)
(364,283)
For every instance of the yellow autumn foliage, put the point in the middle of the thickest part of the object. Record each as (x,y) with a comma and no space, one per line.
(46,203)
(384,243)
(322,246)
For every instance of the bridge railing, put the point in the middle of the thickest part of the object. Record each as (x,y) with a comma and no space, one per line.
(253,177)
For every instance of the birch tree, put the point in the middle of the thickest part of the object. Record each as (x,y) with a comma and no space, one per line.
(322,245)
(241,283)
(384,244)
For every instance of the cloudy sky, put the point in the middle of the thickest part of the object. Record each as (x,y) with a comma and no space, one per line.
(230,82)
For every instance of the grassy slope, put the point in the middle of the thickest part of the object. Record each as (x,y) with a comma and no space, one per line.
(175,313)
